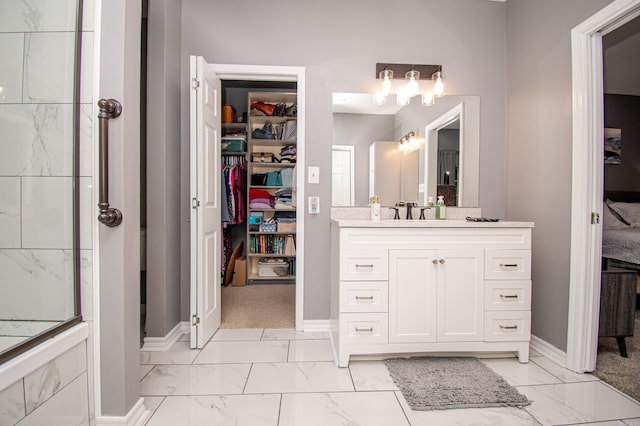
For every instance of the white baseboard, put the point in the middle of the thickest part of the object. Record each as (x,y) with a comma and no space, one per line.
(316,325)
(137,416)
(160,344)
(549,351)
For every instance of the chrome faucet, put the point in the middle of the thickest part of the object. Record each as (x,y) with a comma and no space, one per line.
(410,207)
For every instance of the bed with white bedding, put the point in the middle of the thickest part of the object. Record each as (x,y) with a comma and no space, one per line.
(621,230)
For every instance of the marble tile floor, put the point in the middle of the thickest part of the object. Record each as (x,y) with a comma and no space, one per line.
(261,377)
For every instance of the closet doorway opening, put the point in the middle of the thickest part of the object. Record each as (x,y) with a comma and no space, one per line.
(247,171)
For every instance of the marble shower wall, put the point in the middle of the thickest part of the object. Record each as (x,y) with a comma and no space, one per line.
(37,46)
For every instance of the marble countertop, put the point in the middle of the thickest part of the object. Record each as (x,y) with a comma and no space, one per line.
(429,223)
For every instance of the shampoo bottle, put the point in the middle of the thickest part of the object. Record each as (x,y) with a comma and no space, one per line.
(441,208)
(375,209)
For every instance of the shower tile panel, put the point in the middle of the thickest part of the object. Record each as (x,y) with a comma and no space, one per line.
(86,284)
(49,67)
(9,212)
(47,212)
(37,15)
(49,379)
(40,140)
(86,140)
(37,284)
(68,407)
(24,328)
(86,58)
(12,404)
(11,52)
(88,212)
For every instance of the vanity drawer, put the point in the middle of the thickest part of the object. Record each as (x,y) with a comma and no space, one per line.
(503,326)
(364,296)
(507,295)
(364,265)
(507,264)
(364,328)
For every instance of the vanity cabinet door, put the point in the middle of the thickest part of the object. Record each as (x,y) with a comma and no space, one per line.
(412,296)
(460,277)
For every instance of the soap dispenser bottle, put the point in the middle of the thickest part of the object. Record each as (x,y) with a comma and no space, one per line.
(430,203)
(375,209)
(440,208)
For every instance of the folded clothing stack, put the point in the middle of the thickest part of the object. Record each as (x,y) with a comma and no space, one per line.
(283,198)
(260,199)
(288,154)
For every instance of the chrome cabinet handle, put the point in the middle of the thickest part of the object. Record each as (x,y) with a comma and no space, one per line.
(508,296)
(508,327)
(435,261)
(364,297)
(109,108)
(368,330)
(441,261)
(369,265)
(508,265)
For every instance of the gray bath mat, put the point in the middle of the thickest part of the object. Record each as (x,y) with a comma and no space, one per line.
(440,383)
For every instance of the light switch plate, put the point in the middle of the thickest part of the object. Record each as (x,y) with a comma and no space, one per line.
(314,174)
(314,205)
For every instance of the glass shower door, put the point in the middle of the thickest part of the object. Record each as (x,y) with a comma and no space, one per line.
(39,45)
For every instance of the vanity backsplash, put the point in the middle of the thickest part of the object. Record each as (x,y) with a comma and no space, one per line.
(386,213)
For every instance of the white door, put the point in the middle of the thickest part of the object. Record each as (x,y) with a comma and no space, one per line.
(460,295)
(205,126)
(342,184)
(412,296)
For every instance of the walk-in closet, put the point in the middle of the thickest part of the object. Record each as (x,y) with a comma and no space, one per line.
(258,203)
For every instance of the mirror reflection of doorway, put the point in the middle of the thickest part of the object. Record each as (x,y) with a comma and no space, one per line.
(342,172)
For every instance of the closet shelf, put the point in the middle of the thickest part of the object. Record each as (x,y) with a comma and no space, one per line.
(272,142)
(257,278)
(292,209)
(271,233)
(270,187)
(234,126)
(270,255)
(263,119)
(280,165)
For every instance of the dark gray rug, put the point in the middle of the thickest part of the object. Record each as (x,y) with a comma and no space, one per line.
(441,383)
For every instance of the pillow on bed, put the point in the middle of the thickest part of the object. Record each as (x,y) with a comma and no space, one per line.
(629,212)
(610,219)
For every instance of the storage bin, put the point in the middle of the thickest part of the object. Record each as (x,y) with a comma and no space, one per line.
(268,227)
(234,144)
(286,227)
(273,269)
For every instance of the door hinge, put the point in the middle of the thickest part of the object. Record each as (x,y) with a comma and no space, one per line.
(195,203)
(195,320)
(595,218)
(195,83)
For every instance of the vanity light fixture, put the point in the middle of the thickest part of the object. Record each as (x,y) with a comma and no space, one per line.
(409,142)
(439,87)
(435,84)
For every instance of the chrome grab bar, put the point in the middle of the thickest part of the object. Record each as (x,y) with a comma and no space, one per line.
(109,108)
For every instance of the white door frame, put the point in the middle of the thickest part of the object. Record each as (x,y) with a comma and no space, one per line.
(281,73)
(586,187)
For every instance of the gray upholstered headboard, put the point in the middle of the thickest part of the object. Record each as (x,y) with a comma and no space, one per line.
(624,196)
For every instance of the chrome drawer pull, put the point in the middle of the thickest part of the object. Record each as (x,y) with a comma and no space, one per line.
(508,265)
(368,330)
(508,327)
(370,265)
(364,297)
(508,296)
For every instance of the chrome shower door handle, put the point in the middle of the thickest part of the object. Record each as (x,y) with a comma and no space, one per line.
(109,108)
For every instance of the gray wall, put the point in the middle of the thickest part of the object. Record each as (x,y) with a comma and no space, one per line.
(339,43)
(163,167)
(539,146)
(622,112)
(360,130)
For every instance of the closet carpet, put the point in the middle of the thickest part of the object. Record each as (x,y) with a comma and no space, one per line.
(259,306)
(621,373)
